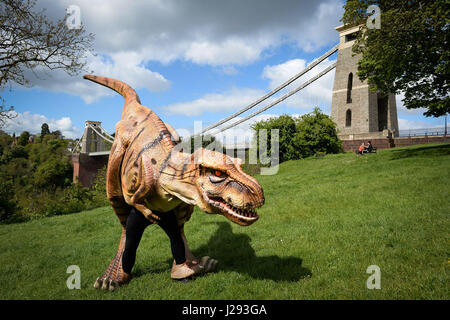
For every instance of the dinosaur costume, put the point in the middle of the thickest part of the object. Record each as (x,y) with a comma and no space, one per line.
(148,176)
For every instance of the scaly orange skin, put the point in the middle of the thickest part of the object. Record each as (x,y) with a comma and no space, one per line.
(147,170)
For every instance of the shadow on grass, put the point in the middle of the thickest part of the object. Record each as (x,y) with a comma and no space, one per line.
(235,253)
(425,151)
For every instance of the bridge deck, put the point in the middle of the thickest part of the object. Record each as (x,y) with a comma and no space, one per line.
(98,153)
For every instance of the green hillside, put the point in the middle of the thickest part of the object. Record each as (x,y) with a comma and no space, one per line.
(324,222)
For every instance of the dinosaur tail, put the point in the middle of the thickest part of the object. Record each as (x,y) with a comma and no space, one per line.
(120,87)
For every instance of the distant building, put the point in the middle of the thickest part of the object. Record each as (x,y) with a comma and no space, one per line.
(358,113)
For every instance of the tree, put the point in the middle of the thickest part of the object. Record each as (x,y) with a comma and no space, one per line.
(287,130)
(23,138)
(410,53)
(7,206)
(301,137)
(52,173)
(207,142)
(316,133)
(28,39)
(57,134)
(44,130)
(6,113)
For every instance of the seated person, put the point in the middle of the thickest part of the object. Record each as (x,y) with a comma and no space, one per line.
(369,147)
(361,148)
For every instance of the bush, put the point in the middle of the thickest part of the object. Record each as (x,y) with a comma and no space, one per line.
(35,179)
(316,133)
(8,208)
(52,173)
(208,142)
(71,199)
(301,137)
(98,190)
(287,129)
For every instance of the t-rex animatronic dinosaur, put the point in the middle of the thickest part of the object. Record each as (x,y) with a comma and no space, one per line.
(147,173)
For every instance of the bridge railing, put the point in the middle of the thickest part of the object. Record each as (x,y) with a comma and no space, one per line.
(422,132)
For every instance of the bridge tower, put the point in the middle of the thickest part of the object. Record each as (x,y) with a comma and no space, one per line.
(359,114)
(91,142)
(92,156)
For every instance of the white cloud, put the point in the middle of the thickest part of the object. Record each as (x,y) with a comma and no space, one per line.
(32,123)
(205,32)
(277,74)
(317,29)
(317,93)
(230,51)
(215,102)
(125,66)
(229,70)
(216,33)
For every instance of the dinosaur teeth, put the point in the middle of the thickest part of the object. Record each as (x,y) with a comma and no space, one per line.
(236,214)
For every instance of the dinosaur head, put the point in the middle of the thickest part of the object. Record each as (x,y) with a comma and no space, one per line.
(226,189)
(217,185)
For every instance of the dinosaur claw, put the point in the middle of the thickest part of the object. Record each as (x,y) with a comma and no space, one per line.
(213,264)
(208,264)
(97,283)
(105,285)
(113,285)
(204,260)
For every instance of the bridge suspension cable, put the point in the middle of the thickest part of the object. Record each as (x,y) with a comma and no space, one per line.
(105,133)
(101,135)
(287,95)
(271,93)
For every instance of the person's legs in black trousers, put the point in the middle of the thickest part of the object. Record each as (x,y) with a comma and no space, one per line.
(136,224)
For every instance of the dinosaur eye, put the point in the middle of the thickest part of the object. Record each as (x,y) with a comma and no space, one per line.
(216,176)
(216,173)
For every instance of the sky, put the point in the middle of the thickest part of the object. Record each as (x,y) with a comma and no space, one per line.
(193,62)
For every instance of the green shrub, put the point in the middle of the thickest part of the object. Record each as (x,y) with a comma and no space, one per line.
(208,141)
(301,137)
(316,133)
(8,208)
(287,129)
(52,173)
(98,189)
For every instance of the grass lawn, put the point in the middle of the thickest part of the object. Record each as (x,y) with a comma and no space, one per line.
(324,222)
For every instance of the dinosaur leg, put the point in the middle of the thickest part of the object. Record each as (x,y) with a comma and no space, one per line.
(136,224)
(183,214)
(119,270)
(181,267)
(114,274)
(113,185)
(187,250)
(206,263)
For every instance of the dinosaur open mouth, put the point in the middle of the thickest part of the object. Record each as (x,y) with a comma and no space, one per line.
(237,215)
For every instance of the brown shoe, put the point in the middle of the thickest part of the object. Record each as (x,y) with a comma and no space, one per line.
(181,271)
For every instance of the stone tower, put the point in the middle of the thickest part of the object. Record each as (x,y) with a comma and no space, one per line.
(358,113)
(91,142)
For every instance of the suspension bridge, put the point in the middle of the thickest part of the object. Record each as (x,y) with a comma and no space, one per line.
(359,114)
(91,151)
